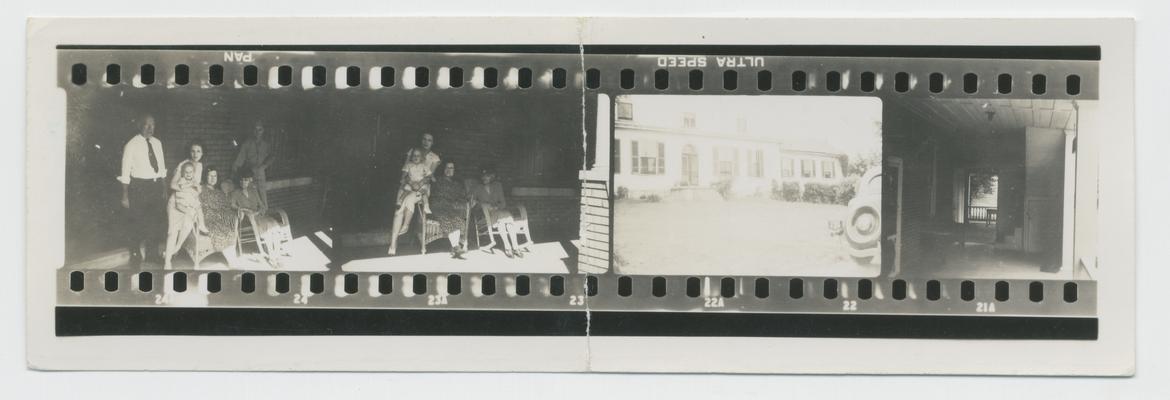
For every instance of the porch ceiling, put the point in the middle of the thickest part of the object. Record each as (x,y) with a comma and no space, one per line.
(971,115)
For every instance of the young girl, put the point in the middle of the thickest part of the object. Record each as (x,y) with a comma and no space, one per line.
(416,178)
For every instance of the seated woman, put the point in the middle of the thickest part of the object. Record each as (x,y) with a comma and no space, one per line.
(248,201)
(489,194)
(449,202)
(219,216)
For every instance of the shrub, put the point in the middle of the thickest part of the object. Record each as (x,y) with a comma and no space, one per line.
(846,190)
(790,191)
(653,198)
(723,186)
(820,193)
(623,192)
(786,192)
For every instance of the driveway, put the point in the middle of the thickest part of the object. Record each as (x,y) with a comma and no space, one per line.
(735,237)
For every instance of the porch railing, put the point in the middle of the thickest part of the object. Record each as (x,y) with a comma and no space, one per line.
(982,214)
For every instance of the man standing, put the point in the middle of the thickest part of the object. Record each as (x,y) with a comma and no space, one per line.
(256,155)
(144,191)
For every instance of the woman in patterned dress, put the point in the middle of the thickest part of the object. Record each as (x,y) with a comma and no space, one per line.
(449,208)
(218,213)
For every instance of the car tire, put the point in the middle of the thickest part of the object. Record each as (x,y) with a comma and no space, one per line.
(859,240)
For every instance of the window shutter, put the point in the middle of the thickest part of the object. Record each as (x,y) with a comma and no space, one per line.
(634,155)
(715,159)
(759,162)
(661,158)
(735,163)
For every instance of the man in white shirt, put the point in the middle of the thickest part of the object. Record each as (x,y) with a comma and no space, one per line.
(144,192)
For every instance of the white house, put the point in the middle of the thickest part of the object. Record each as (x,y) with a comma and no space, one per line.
(663,150)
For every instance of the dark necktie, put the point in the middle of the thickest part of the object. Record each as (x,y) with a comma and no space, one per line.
(153,158)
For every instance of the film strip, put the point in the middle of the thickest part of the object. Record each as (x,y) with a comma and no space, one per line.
(572,292)
(615,74)
(596,75)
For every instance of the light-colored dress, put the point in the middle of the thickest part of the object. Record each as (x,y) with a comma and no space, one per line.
(416,174)
(187,197)
(491,197)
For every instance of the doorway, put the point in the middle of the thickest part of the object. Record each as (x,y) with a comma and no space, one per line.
(981,211)
(690,166)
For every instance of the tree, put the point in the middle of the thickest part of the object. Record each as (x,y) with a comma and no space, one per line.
(984,184)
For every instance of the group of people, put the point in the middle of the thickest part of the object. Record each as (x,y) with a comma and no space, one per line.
(205,202)
(195,200)
(448,201)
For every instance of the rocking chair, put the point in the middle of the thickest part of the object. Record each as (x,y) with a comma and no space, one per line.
(278,239)
(484,228)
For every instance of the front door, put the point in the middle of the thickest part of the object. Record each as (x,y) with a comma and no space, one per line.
(690,166)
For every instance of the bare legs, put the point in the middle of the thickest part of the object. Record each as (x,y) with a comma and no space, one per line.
(511,244)
(180,227)
(401,221)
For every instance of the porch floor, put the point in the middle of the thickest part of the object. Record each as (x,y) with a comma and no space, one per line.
(973,250)
(551,257)
(981,260)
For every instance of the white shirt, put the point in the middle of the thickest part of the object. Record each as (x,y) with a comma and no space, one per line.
(136,160)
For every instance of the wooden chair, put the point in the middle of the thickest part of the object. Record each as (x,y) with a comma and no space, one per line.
(246,234)
(429,231)
(483,228)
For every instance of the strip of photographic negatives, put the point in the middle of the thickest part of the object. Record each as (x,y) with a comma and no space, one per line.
(598,191)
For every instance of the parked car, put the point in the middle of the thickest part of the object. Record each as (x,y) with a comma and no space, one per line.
(860,228)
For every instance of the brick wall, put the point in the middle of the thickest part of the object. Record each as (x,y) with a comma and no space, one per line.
(532,141)
(552,214)
(912,139)
(99,124)
(303,205)
(349,144)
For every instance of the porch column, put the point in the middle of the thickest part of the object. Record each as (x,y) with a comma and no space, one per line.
(1068,239)
(593,252)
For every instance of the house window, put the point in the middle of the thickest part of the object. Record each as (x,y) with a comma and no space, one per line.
(648,158)
(689,120)
(786,165)
(827,170)
(741,124)
(625,110)
(808,168)
(755,163)
(726,161)
(617,156)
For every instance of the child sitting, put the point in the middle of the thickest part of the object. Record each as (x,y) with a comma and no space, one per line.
(416,178)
